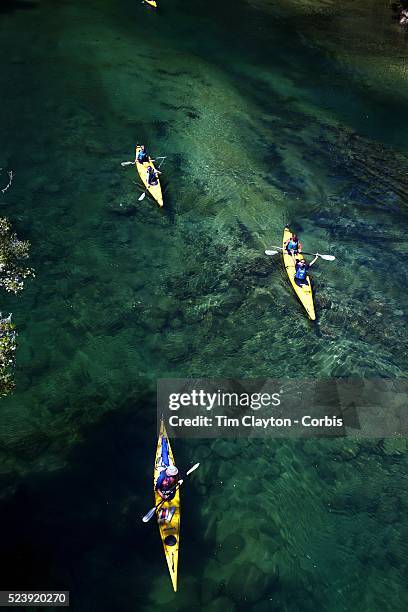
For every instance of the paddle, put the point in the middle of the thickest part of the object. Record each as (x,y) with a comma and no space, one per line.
(326,257)
(153,510)
(132,163)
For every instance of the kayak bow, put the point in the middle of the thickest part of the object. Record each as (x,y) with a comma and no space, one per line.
(305,292)
(168,515)
(152,3)
(154,190)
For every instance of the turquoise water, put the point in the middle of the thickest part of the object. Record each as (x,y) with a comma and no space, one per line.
(268,113)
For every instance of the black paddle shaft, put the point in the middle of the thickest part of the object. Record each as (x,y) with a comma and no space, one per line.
(163,501)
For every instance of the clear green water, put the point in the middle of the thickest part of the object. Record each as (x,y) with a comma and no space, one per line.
(269,112)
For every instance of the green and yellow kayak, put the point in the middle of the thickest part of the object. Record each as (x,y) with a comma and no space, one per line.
(305,292)
(168,516)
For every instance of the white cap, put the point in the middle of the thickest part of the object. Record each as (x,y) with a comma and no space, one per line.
(171,470)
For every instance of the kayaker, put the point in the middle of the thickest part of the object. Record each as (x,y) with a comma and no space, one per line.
(301,268)
(293,246)
(142,156)
(152,175)
(167,482)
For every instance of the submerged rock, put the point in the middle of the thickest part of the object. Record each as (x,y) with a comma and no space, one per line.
(222,604)
(230,548)
(227,449)
(395,446)
(247,584)
(210,589)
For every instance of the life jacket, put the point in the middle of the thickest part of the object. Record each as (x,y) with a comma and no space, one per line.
(142,157)
(151,176)
(301,272)
(292,245)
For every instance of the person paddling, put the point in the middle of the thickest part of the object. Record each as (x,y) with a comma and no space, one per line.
(152,175)
(301,269)
(166,484)
(142,155)
(293,246)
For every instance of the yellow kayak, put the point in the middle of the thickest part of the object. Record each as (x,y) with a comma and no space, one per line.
(305,292)
(154,190)
(168,516)
(152,3)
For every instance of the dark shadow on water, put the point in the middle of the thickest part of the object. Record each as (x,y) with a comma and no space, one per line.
(8,6)
(79,529)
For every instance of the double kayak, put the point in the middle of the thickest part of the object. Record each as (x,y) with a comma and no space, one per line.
(168,515)
(154,190)
(305,291)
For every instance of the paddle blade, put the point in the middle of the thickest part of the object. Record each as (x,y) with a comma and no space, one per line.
(149,515)
(142,197)
(192,469)
(128,163)
(271,252)
(327,257)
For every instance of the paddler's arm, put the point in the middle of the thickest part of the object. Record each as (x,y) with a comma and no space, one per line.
(300,247)
(313,260)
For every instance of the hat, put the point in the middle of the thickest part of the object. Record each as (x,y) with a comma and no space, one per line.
(171,470)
